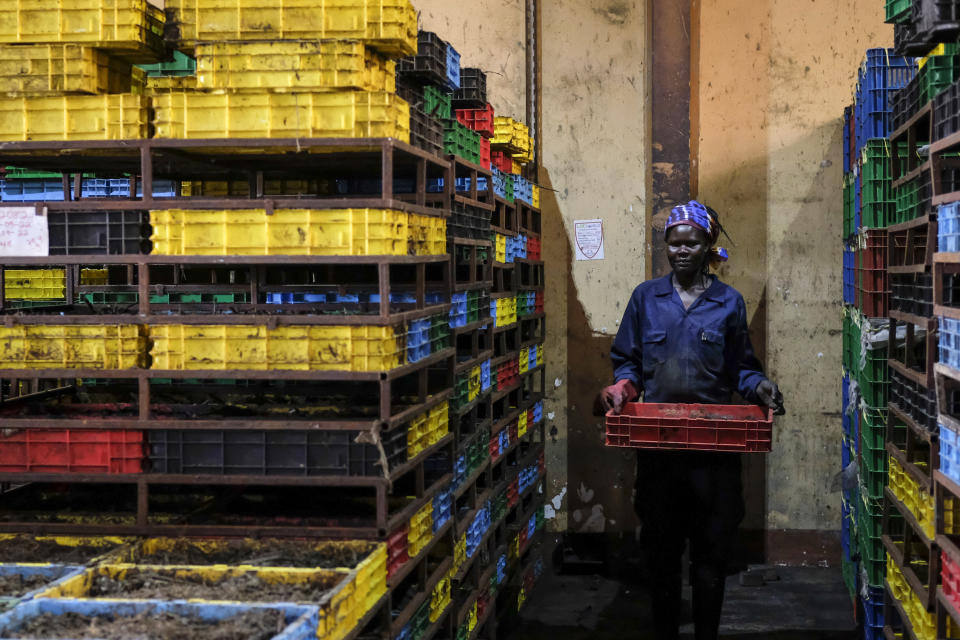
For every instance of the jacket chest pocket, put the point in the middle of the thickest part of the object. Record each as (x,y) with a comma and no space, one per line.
(654,347)
(711,348)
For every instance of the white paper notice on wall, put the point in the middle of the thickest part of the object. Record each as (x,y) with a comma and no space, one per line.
(588,239)
(23,232)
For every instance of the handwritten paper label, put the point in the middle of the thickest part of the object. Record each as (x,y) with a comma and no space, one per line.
(23,232)
(588,239)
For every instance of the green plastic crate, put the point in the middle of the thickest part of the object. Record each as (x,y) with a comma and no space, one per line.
(508,187)
(461,141)
(437,103)
(874,379)
(181,65)
(937,74)
(439,333)
(851,340)
(460,391)
(849,570)
(908,202)
(897,11)
(873,467)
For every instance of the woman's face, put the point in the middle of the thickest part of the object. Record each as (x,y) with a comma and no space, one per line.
(687,249)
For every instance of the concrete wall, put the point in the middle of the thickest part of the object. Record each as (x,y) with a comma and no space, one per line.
(774,78)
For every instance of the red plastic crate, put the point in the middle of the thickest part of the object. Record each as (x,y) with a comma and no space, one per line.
(72,451)
(494,447)
(512,431)
(873,304)
(482,603)
(950,575)
(507,374)
(533,249)
(502,161)
(513,492)
(523,537)
(479,120)
(874,255)
(541,462)
(398,549)
(485,153)
(704,427)
(529,419)
(538,303)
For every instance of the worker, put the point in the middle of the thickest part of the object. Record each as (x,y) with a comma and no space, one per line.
(684,339)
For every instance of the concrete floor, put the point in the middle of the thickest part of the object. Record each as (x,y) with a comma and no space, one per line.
(802,603)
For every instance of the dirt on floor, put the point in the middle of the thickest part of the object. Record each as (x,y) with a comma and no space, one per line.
(269,553)
(28,550)
(149,625)
(19,585)
(166,585)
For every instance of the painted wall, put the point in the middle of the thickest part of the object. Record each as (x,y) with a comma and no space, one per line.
(774,78)
(593,156)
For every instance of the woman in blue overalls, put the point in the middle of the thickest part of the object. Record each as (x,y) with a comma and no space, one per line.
(684,339)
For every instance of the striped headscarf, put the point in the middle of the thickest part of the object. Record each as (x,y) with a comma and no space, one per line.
(704,218)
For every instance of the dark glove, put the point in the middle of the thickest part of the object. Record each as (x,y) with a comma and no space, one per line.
(617,395)
(770,395)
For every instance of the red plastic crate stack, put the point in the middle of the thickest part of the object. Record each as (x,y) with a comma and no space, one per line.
(873,284)
(538,303)
(483,602)
(398,549)
(702,427)
(513,492)
(494,447)
(533,249)
(950,575)
(484,152)
(541,463)
(507,374)
(72,451)
(512,431)
(523,539)
(502,161)
(480,120)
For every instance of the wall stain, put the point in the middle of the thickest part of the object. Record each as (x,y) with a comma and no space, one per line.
(614,13)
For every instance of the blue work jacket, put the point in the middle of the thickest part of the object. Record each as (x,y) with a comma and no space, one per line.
(701,354)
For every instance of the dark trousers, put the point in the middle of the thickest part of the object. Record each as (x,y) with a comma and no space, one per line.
(688,496)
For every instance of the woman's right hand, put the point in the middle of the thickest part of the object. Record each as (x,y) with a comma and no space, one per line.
(617,395)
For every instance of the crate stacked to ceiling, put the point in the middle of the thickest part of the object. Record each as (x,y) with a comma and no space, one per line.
(291,323)
(869,303)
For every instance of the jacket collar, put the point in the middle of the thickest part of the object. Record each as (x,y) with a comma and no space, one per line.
(663,286)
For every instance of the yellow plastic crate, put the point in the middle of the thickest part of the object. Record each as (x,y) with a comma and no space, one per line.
(72,347)
(416,433)
(535,200)
(473,384)
(438,423)
(459,552)
(440,598)
(293,65)
(506,311)
(355,232)
(924,623)
(540,355)
(34,284)
(472,617)
(420,529)
(523,361)
(302,348)
(120,116)
(921,504)
(264,114)
(94,276)
(62,68)
(522,424)
(500,247)
(513,136)
(389,26)
(130,28)
(364,583)
(109,544)
(161,84)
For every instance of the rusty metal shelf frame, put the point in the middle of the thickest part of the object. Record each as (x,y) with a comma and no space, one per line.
(903,242)
(141,265)
(504,218)
(216,158)
(528,219)
(906,367)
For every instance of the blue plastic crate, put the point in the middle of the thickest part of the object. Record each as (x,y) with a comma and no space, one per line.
(532,526)
(500,183)
(301,620)
(538,412)
(55,573)
(458,310)
(522,189)
(442,508)
(501,568)
(950,453)
(459,471)
(849,275)
(453,67)
(948,227)
(847,114)
(485,380)
(532,358)
(418,340)
(873,614)
(295,298)
(880,75)
(949,342)
(31,190)
(504,443)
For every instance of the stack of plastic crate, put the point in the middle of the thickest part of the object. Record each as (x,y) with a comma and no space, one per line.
(276,71)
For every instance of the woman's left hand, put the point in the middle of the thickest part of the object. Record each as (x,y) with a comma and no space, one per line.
(770,395)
